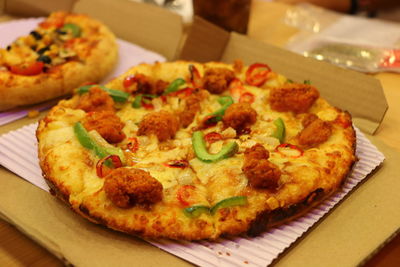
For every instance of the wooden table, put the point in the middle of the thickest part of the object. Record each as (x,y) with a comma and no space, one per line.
(266,24)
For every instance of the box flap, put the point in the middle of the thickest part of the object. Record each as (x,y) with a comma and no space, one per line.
(358,93)
(205,42)
(37,8)
(2,4)
(149,26)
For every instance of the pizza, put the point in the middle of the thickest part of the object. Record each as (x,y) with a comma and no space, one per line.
(64,51)
(193,151)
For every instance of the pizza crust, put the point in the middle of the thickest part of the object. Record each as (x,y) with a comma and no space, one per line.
(100,55)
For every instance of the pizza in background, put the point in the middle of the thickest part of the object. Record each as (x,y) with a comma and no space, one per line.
(64,51)
(194,151)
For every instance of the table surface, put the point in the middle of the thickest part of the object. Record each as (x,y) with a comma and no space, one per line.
(266,24)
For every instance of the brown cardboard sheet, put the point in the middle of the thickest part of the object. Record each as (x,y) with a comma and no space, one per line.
(205,42)
(356,227)
(27,8)
(149,26)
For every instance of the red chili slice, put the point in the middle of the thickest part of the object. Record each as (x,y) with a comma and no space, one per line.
(128,81)
(55,22)
(147,105)
(257,74)
(195,77)
(212,137)
(247,97)
(300,152)
(30,70)
(133,144)
(103,170)
(186,91)
(177,164)
(184,193)
(164,99)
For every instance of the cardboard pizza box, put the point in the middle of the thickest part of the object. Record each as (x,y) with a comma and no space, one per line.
(352,231)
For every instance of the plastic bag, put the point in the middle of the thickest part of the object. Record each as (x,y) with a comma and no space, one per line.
(356,43)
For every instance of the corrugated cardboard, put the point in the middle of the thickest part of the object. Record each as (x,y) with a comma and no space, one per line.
(349,234)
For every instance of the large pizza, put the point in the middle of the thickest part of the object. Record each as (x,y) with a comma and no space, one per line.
(193,151)
(64,51)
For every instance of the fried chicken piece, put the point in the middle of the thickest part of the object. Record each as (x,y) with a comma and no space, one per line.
(259,170)
(217,80)
(256,152)
(96,100)
(162,123)
(315,133)
(239,116)
(107,124)
(145,85)
(192,106)
(293,97)
(127,187)
(308,119)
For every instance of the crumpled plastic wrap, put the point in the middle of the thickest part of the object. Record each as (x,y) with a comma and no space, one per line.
(360,44)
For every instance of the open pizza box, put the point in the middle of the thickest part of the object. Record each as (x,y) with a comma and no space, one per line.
(352,231)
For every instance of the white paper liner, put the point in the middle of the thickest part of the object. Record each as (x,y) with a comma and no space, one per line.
(18,153)
(129,55)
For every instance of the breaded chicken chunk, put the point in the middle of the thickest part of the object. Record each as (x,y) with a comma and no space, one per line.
(239,116)
(107,124)
(293,97)
(146,85)
(192,106)
(217,80)
(315,133)
(163,124)
(260,172)
(96,100)
(127,187)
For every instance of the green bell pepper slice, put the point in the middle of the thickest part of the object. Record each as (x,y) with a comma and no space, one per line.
(174,86)
(200,149)
(86,141)
(229,202)
(225,102)
(73,28)
(280,131)
(117,95)
(196,210)
(137,102)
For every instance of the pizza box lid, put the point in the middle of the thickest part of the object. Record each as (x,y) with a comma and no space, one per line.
(44,219)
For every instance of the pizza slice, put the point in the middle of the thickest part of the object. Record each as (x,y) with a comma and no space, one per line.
(64,51)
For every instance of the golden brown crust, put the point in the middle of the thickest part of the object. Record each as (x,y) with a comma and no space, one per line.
(97,51)
(279,183)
